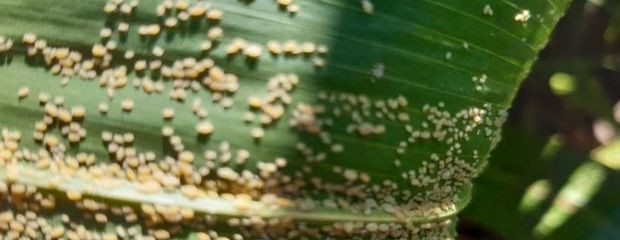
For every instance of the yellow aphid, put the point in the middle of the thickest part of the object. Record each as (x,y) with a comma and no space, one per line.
(139,65)
(50,141)
(215,15)
(123,27)
(101,218)
(149,187)
(149,30)
(29,38)
(203,236)
(65,116)
(253,51)
(105,33)
(161,234)
(206,45)
(103,108)
(523,16)
(158,51)
(182,5)
(57,232)
(99,50)
(215,33)
(257,133)
(186,156)
(308,48)
(74,195)
(285,2)
(191,191)
(167,131)
(236,46)
(255,102)
(78,112)
(171,22)
(127,105)
(43,97)
(204,128)
(293,8)
(291,47)
(274,47)
(197,11)
(368,7)
(23,92)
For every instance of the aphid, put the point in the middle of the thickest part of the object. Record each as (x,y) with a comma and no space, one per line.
(57,232)
(128,138)
(74,195)
(167,131)
(127,8)
(182,5)
(274,47)
(111,45)
(293,8)
(367,6)
(29,38)
(206,45)
(127,105)
(197,11)
(487,10)
(284,3)
(158,51)
(65,116)
(190,191)
(161,234)
(523,16)
(183,16)
(78,112)
(23,92)
(253,51)
(123,27)
(215,15)
(149,187)
(215,33)
(236,46)
(257,133)
(204,128)
(99,50)
(337,148)
(103,107)
(105,33)
(171,22)
(318,62)
(101,218)
(140,65)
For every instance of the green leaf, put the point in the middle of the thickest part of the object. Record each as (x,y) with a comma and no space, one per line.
(391,124)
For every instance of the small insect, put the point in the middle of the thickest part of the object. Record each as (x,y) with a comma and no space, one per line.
(204,128)
(105,33)
(367,6)
(158,51)
(257,133)
(23,92)
(215,15)
(127,105)
(523,16)
(99,50)
(487,10)
(378,71)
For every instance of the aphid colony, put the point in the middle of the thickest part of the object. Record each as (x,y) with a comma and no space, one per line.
(335,122)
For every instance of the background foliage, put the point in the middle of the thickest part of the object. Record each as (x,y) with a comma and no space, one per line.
(555,174)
